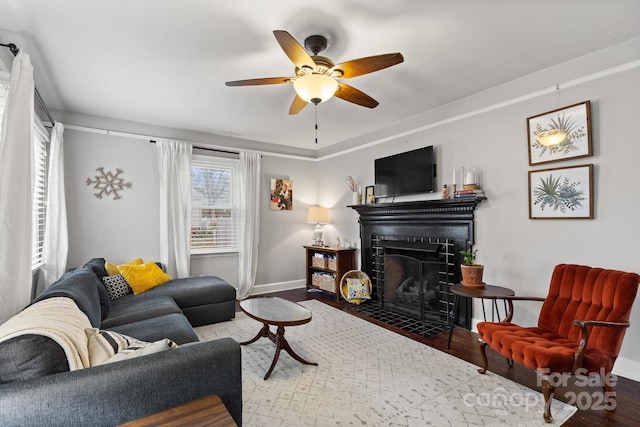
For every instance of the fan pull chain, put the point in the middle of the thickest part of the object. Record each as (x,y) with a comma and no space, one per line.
(316,123)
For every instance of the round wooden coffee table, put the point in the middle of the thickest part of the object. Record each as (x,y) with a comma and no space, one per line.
(277,312)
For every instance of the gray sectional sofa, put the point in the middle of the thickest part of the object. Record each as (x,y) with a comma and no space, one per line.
(37,386)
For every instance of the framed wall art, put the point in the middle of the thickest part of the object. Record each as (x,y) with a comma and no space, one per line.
(281,197)
(560,134)
(561,193)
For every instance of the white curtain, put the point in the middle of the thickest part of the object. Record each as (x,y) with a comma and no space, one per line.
(174,166)
(16,189)
(56,240)
(249,222)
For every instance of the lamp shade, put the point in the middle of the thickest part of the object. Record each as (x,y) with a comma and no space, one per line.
(551,137)
(315,88)
(318,215)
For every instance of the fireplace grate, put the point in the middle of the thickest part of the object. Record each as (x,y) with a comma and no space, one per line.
(398,320)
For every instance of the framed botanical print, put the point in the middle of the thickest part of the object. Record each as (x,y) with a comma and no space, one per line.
(561,193)
(560,134)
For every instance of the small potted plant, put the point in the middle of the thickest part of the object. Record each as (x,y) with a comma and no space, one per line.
(471,272)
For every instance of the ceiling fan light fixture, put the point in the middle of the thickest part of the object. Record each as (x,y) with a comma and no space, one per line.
(315,88)
(551,137)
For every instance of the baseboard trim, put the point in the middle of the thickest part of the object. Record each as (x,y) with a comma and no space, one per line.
(277,287)
(627,368)
(474,324)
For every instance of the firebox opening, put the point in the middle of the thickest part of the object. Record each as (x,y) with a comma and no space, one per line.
(415,280)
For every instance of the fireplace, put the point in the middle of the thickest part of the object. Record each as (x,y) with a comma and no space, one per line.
(410,251)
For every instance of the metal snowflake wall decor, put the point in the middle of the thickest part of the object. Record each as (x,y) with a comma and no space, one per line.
(108,183)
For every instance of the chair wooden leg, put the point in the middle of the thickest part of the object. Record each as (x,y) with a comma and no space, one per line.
(547,392)
(483,352)
(609,394)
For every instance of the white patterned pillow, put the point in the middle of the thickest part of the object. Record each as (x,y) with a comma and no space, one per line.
(116,286)
(109,346)
(358,288)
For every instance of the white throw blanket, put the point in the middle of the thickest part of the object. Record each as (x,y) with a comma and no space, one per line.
(58,318)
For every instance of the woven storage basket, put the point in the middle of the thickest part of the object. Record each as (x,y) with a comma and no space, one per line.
(319,262)
(326,283)
(353,274)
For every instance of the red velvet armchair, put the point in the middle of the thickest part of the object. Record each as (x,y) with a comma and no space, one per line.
(580,327)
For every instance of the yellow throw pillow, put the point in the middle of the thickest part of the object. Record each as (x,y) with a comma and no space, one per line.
(113,270)
(143,277)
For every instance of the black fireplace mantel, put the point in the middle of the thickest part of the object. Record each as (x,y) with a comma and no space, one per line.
(443,221)
(450,218)
(459,207)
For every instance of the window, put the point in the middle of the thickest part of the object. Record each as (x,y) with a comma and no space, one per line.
(214,209)
(39,179)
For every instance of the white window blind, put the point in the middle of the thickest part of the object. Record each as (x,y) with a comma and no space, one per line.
(214,209)
(39,175)
(39,179)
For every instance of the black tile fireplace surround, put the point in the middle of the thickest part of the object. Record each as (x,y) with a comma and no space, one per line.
(416,245)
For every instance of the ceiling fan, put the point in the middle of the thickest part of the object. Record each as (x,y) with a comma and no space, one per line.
(317,77)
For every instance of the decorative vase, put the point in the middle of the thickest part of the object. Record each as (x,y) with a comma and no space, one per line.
(472,275)
(356,197)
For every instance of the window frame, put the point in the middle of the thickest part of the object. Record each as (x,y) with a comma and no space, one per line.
(233,164)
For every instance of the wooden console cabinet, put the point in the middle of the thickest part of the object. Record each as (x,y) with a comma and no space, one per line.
(325,273)
(207,411)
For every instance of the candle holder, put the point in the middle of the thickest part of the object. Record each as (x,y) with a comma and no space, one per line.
(471,178)
(467,178)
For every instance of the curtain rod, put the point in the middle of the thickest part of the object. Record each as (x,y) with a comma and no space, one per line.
(14,50)
(150,138)
(217,150)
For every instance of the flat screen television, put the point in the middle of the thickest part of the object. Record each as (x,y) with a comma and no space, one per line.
(411,172)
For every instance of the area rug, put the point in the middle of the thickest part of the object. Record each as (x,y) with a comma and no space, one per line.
(369,376)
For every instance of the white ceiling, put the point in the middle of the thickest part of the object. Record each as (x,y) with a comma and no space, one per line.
(165,62)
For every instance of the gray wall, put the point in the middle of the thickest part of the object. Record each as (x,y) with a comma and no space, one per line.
(119,230)
(283,233)
(127,228)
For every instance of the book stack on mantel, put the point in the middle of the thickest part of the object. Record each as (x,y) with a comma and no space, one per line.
(475,193)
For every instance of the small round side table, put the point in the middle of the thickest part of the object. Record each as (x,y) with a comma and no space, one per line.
(491,292)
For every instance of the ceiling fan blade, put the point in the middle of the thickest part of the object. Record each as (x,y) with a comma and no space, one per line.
(263,81)
(358,67)
(296,53)
(297,105)
(351,94)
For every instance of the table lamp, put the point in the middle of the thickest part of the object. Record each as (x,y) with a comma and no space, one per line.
(318,215)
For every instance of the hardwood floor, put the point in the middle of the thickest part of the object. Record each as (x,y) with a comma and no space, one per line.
(464,346)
